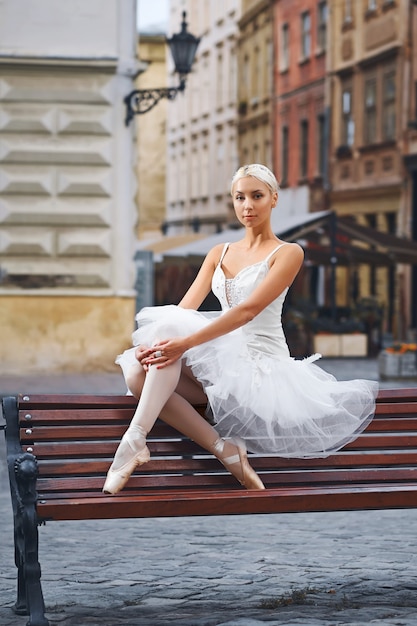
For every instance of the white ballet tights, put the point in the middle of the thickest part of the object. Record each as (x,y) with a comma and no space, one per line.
(159,385)
(159,398)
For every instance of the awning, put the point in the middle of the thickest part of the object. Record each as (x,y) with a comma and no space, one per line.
(351,243)
(397,249)
(162,245)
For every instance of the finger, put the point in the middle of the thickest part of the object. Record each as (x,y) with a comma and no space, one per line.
(155,357)
(168,361)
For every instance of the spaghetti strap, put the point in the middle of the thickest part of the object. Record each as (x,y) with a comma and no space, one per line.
(226,245)
(275,250)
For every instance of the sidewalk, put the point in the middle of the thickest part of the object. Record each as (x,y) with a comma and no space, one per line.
(314,569)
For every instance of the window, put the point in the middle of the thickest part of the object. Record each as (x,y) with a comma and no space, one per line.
(220,169)
(285,46)
(388,112)
(246,77)
(391,222)
(322,26)
(303,149)
(370,111)
(270,63)
(284,154)
(348,125)
(321,144)
(257,82)
(347,17)
(305,35)
(415,98)
(220,79)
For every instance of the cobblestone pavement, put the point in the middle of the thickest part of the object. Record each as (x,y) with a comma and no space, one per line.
(314,569)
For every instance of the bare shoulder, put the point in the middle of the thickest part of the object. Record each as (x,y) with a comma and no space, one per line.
(215,253)
(293,250)
(296,250)
(291,253)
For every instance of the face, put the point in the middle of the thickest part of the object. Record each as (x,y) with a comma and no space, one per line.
(253,201)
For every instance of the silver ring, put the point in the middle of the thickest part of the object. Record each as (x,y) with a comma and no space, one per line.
(158,354)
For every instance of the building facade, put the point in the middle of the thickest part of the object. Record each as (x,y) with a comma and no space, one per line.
(300,103)
(368,90)
(201,123)
(255,82)
(151,139)
(409,219)
(67,188)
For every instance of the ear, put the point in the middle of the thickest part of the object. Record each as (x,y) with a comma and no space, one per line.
(274,198)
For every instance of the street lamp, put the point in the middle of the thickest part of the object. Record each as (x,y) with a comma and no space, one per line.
(183,48)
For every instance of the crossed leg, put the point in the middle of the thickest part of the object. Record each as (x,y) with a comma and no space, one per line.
(169,393)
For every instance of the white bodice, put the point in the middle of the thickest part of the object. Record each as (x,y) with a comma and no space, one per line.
(264,332)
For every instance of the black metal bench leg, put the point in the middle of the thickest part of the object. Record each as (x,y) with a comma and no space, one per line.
(29,578)
(23,472)
(20,608)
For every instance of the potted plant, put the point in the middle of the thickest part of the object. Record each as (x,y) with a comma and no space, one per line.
(398,361)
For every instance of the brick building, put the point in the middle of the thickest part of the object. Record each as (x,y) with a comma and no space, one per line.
(300,108)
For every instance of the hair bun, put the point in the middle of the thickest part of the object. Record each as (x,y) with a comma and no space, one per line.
(259,171)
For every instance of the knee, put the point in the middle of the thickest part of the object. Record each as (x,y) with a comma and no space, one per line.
(135,378)
(166,331)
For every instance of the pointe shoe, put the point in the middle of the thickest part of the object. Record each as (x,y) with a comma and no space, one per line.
(250,478)
(117,479)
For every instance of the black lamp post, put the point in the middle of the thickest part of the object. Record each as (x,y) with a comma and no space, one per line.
(183,48)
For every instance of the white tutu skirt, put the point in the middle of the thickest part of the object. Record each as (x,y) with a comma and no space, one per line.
(278,405)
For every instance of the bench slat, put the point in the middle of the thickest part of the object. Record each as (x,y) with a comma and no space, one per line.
(233,502)
(122,416)
(397,408)
(396,395)
(215,479)
(80,449)
(52,401)
(80,431)
(86,466)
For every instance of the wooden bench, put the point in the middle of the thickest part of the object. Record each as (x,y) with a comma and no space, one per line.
(59,449)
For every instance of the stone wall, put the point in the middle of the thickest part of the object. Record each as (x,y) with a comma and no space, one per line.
(67,185)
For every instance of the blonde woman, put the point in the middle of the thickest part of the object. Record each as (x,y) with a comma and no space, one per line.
(259,397)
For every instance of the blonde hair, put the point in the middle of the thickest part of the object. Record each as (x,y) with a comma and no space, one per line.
(256,170)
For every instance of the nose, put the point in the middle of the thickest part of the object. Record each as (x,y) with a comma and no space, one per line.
(248,203)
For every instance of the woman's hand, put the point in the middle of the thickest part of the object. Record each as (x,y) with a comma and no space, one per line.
(142,354)
(166,352)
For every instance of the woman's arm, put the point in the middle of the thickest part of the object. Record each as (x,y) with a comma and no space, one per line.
(201,285)
(284,268)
